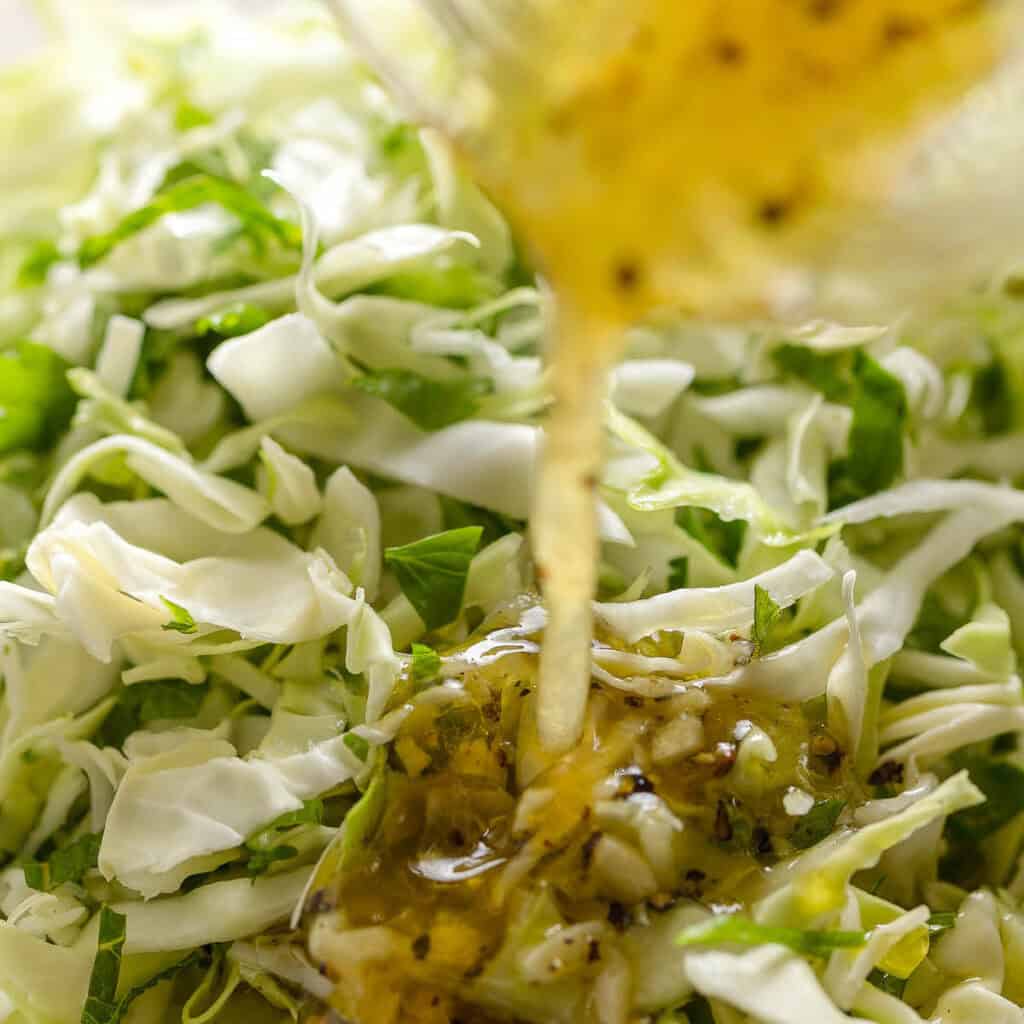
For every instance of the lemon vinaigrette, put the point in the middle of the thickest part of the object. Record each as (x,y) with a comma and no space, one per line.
(700,156)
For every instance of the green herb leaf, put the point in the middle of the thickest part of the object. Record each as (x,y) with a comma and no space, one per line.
(68,864)
(265,848)
(250,155)
(679,573)
(766,615)
(817,823)
(430,404)
(188,116)
(879,406)
(257,222)
(721,537)
(825,372)
(181,619)
(933,624)
(741,931)
(876,434)
(169,698)
(357,745)
(197,958)
(36,401)
(992,396)
(734,826)
(457,514)
(888,983)
(1003,786)
(875,443)
(941,921)
(101,1004)
(259,861)
(432,572)
(426,663)
(698,1011)
(150,702)
(456,286)
(815,710)
(36,264)
(233,321)
(310,813)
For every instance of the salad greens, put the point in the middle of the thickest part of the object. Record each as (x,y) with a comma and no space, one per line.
(271,396)
(101,1002)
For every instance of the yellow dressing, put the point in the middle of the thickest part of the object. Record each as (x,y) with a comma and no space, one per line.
(676,153)
(691,155)
(688,154)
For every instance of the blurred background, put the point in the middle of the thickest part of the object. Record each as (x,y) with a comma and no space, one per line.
(21,28)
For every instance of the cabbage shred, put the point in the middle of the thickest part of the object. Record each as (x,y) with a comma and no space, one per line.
(272,395)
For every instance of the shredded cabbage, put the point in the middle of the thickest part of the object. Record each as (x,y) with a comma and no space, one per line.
(273,390)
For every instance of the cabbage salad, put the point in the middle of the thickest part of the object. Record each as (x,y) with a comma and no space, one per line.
(272,394)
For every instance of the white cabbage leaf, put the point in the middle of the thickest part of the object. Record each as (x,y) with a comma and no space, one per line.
(216,912)
(118,356)
(971,1003)
(47,984)
(461,206)
(173,809)
(56,677)
(769,983)
(821,883)
(288,484)
(985,641)
(647,387)
(106,412)
(277,367)
(112,577)
(932,496)
(349,530)
(215,500)
(347,267)
(885,616)
(185,401)
(973,948)
(652,478)
(715,609)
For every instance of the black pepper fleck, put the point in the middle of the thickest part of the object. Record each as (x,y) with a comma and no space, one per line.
(587,850)
(634,782)
(728,51)
(824,10)
(761,841)
(618,916)
(723,826)
(898,30)
(886,773)
(421,946)
(627,275)
(320,902)
(772,212)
